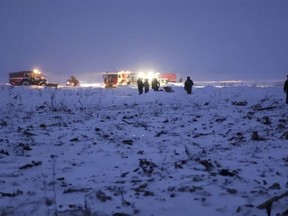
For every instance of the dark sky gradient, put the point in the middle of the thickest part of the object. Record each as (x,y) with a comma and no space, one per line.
(206,39)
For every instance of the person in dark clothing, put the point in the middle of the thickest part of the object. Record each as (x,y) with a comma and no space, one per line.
(140,85)
(146,86)
(188,85)
(285,88)
(155,84)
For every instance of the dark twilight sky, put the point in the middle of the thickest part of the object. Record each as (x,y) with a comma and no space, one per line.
(205,39)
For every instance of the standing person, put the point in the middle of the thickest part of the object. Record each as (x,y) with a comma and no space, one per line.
(146,86)
(188,85)
(140,85)
(155,84)
(285,88)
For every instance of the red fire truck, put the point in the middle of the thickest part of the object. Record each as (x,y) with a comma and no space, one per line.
(167,77)
(114,79)
(27,78)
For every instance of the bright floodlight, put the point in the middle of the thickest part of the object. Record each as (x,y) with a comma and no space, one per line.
(150,75)
(140,75)
(36,71)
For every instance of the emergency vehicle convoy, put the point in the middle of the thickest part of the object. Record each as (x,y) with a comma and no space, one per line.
(111,79)
(120,78)
(27,78)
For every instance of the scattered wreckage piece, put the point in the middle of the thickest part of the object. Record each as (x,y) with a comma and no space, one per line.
(239,103)
(268,203)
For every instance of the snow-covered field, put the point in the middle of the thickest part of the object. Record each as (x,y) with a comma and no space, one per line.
(95,151)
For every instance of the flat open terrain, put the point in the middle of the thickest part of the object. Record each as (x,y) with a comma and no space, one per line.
(94,151)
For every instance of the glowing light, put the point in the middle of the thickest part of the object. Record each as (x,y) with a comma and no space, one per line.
(36,71)
(140,75)
(150,75)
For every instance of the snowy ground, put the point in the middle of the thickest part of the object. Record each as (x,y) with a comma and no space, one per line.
(95,151)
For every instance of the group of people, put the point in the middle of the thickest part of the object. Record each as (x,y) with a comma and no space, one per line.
(187,86)
(146,86)
(155,85)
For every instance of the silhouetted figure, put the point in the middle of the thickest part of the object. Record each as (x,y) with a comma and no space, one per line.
(140,85)
(188,85)
(146,86)
(285,88)
(155,84)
